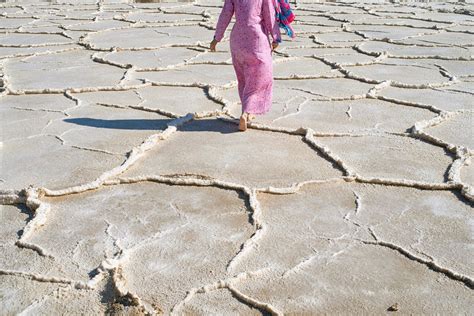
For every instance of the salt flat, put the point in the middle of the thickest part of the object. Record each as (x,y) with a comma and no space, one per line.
(125,187)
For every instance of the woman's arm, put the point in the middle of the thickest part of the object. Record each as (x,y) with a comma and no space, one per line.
(224,19)
(269,20)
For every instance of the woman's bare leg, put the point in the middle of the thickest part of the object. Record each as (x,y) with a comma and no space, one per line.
(243,122)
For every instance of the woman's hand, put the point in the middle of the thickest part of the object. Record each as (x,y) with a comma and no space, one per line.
(213,45)
(274,46)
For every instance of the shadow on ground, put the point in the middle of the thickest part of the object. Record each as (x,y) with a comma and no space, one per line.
(205,125)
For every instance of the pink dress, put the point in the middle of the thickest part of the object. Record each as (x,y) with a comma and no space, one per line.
(251,49)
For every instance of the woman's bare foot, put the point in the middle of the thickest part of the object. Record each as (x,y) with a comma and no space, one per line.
(243,122)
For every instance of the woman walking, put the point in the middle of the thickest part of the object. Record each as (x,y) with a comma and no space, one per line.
(251,52)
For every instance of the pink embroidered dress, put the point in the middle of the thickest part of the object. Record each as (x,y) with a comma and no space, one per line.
(251,49)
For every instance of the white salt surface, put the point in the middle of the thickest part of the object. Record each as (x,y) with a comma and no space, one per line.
(125,187)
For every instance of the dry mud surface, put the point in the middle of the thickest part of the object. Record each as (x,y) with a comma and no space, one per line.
(125,188)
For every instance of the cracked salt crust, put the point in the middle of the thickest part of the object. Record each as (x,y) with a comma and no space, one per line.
(337,37)
(443,39)
(464,87)
(33,40)
(395,33)
(121,129)
(352,58)
(416,52)
(449,130)
(149,59)
(315,28)
(32,122)
(38,73)
(149,38)
(10,52)
(435,98)
(325,240)
(418,160)
(189,75)
(120,117)
(176,99)
(363,116)
(95,25)
(330,89)
(301,68)
(51,163)
(209,147)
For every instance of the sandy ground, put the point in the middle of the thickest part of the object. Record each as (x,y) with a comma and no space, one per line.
(126,189)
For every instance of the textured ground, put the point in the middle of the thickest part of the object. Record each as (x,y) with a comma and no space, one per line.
(125,187)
